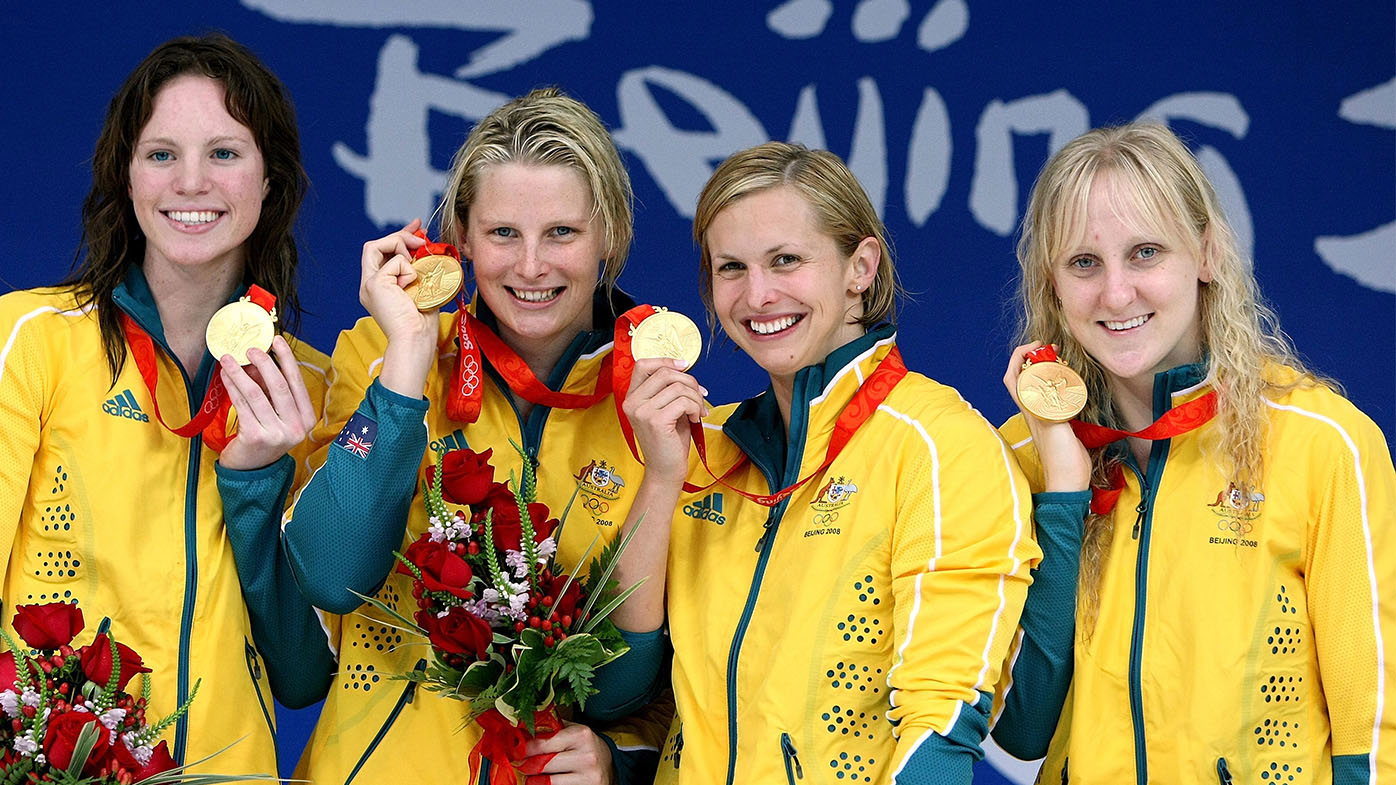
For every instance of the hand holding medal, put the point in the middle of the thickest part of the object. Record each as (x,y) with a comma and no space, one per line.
(249,323)
(439,275)
(666,333)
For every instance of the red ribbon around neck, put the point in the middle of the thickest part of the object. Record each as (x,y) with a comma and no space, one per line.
(212,416)
(1178,420)
(869,396)
(502,743)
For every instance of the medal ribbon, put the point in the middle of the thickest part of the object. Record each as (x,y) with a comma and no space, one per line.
(434,249)
(464,401)
(212,416)
(1178,420)
(1042,354)
(865,401)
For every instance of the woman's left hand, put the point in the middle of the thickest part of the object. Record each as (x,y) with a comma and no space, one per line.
(274,409)
(574,755)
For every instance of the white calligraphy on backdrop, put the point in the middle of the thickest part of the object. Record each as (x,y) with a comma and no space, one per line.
(400,181)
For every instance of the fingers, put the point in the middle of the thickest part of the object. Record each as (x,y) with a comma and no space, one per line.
(1015,367)
(661,389)
(574,755)
(290,367)
(391,255)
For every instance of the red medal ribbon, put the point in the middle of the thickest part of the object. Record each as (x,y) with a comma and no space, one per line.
(212,416)
(466,397)
(1178,420)
(869,396)
(502,743)
(434,249)
(1042,354)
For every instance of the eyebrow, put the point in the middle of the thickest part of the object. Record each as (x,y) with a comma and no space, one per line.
(217,140)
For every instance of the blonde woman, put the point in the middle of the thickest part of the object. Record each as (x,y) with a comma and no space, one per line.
(1221,525)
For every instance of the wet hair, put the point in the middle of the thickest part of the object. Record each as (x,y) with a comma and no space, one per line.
(111,237)
(840,205)
(1241,338)
(546,128)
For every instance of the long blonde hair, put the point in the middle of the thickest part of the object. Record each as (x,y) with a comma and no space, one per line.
(1241,338)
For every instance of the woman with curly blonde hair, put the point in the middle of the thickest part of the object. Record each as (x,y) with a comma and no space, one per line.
(1262,502)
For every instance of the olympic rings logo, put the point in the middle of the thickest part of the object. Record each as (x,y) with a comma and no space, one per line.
(595,505)
(823,518)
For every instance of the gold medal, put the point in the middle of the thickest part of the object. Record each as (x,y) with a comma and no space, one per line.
(439,277)
(669,334)
(239,326)
(1048,389)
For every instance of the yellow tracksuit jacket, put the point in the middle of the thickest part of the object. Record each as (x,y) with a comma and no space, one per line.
(853,632)
(102,506)
(1245,634)
(347,521)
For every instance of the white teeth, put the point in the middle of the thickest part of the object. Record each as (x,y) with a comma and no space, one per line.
(1127,324)
(536,296)
(774,326)
(193,216)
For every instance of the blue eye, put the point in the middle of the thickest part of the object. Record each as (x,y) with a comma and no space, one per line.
(785,259)
(729,269)
(503,231)
(1147,252)
(1081,263)
(563,231)
(224,154)
(161,156)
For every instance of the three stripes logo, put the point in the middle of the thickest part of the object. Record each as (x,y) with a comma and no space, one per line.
(454,440)
(708,508)
(124,405)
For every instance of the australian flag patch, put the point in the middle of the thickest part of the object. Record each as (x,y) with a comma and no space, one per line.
(358,435)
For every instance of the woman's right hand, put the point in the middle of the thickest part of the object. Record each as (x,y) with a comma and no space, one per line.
(386,270)
(662,402)
(1066,465)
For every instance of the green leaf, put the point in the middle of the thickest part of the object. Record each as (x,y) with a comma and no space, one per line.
(82,748)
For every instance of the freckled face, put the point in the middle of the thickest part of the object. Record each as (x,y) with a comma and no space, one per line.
(781,288)
(197,178)
(1130,295)
(536,250)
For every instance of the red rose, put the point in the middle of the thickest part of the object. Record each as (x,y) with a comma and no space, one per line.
(458,632)
(48,626)
(62,737)
(160,761)
(441,569)
(507,526)
(97,661)
(466,476)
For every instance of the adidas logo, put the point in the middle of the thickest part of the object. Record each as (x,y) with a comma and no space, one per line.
(708,508)
(124,405)
(451,441)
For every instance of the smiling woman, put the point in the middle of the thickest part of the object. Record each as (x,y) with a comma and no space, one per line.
(166,529)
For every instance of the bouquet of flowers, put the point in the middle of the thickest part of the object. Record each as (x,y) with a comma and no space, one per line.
(513,633)
(67,717)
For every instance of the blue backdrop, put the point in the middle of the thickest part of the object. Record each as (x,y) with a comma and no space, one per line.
(944,109)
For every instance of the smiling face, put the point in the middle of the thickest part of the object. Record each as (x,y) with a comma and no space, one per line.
(536,250)
(781,289)
(197,179)
(1130,292)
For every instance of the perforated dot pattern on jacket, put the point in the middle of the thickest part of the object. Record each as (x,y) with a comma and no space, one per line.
(852,767)
(1282,773)
(367,634)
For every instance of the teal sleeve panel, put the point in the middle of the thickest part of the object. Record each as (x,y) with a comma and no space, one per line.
(1351,770)
(633,767)
(1041,671)
(949,759)
(284,626)
(626,685)
(352,514)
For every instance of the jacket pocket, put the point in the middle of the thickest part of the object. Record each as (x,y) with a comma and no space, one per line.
(254,669)
(792,761)
(1223,773)
(405,698)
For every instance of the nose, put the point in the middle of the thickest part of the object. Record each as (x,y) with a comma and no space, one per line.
(191,176)
(760,287)
(1118,289)
(531,263)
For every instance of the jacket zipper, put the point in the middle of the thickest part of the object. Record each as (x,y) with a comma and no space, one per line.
(787,749)
(408,693)
(1223,773)
(254,669)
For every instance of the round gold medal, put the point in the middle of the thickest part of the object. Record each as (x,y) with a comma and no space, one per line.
(1051,391)
(439,277)
(667,334)
(237,327)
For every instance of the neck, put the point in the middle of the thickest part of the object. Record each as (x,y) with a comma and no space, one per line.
(186,299)
(784,389)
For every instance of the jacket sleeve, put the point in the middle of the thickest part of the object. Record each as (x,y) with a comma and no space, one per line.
(344,525)
(1350,580)
(24,380)
(285,627)
(1033,687)
(961,550)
